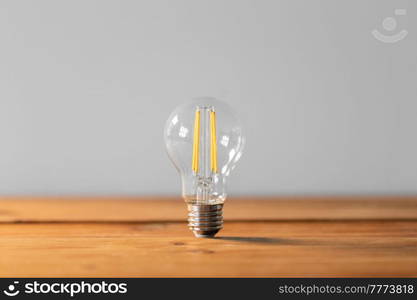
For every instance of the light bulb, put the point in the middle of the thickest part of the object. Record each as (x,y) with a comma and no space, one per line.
(204,140)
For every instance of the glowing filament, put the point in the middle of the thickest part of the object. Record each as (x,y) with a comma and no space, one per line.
(213,144)
(196,142)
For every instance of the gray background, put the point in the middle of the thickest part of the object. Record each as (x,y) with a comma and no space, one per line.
(86,86)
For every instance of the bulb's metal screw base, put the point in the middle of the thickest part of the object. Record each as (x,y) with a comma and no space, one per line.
(205,220)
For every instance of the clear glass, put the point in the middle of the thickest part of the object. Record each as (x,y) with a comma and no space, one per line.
(204,140)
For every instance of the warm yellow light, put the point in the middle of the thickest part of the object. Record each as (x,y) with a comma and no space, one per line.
(196,142)
(213,148)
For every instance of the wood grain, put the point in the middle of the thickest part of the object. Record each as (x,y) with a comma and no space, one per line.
(132,209)
(298,237)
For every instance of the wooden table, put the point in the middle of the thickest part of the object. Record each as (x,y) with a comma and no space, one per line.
(266,237)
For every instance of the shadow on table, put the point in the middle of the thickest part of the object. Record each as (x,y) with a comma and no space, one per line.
(259,240)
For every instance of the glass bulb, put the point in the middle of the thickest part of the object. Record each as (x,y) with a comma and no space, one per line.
(204,140)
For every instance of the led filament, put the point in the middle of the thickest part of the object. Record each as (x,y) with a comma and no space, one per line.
(196,141)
